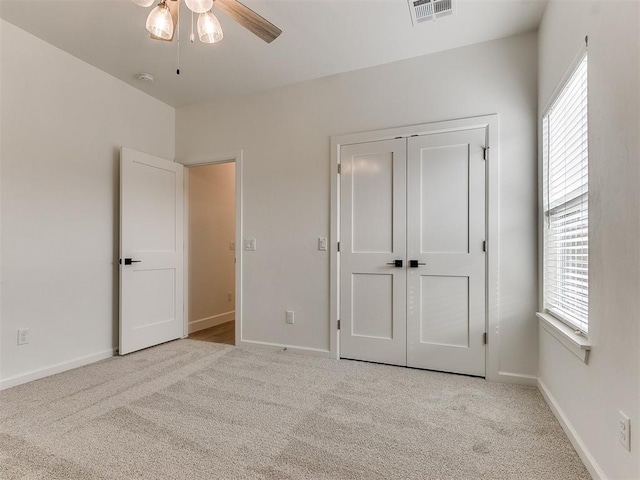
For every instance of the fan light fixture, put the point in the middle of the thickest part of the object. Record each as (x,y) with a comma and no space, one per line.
(209,29)
(161,21)
(164,21)
(199,6)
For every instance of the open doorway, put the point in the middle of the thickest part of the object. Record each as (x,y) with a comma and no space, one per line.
(211,235)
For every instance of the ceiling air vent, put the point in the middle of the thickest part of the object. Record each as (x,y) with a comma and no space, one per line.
(423,10)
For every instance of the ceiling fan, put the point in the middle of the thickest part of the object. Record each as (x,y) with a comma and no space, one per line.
(163,19)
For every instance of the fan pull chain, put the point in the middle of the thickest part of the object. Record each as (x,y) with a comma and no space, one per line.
(178,46)
(192,37)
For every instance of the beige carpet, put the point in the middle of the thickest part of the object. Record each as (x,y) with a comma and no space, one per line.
(196,410)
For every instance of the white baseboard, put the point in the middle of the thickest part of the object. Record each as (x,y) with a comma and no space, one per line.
(52,370)
(517,378)
(314,352)
(584,454)
(208,322)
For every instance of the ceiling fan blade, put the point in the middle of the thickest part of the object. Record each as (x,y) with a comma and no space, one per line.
(174,8)
(249,19)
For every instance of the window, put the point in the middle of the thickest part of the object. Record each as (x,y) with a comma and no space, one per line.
(566,209)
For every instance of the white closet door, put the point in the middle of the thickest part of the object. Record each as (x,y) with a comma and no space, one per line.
(373,237)
(446,231)
(151,251)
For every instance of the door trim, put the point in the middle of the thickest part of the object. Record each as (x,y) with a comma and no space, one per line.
(492,125)
(234,156)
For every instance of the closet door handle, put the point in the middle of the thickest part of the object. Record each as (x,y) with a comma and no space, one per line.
(129,261)
(397,263)
(415,263)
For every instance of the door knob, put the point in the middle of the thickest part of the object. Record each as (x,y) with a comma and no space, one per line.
(129,261)
(397,263)
(415,263)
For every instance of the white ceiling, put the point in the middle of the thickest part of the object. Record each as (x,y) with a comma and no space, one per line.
(320,38)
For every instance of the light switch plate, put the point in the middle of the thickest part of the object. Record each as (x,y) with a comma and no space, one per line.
(322,244)
(250,244)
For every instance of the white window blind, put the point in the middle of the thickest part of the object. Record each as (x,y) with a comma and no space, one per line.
(565,185)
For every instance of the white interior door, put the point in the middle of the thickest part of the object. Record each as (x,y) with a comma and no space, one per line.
(446,232)
(373,226)
(151,251)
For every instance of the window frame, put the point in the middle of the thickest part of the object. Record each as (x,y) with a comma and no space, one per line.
(580,327)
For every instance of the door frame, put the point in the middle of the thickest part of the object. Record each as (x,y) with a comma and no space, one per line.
(492,125)
(234,156)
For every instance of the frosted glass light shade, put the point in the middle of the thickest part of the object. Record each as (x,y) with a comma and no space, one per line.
(209,29)
(199,6)
(160,23)
(143,3)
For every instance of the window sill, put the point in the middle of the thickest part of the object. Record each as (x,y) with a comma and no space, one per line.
(576,344)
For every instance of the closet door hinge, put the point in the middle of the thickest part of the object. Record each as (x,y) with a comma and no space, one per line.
(484,338)
(338,324)
(485,155)
(484,245)
(338,246)
(339,168)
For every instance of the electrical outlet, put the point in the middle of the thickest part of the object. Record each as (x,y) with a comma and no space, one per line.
(289,318)
(23,336)
(624,430)
(229,296)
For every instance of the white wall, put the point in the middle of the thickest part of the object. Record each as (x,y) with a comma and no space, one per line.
(1,223)
(63,122)
(590,396)
(211,229)
(285,135)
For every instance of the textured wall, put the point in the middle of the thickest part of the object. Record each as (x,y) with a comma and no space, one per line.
(590,396)
(63,123)
(211,229)
(285,138)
